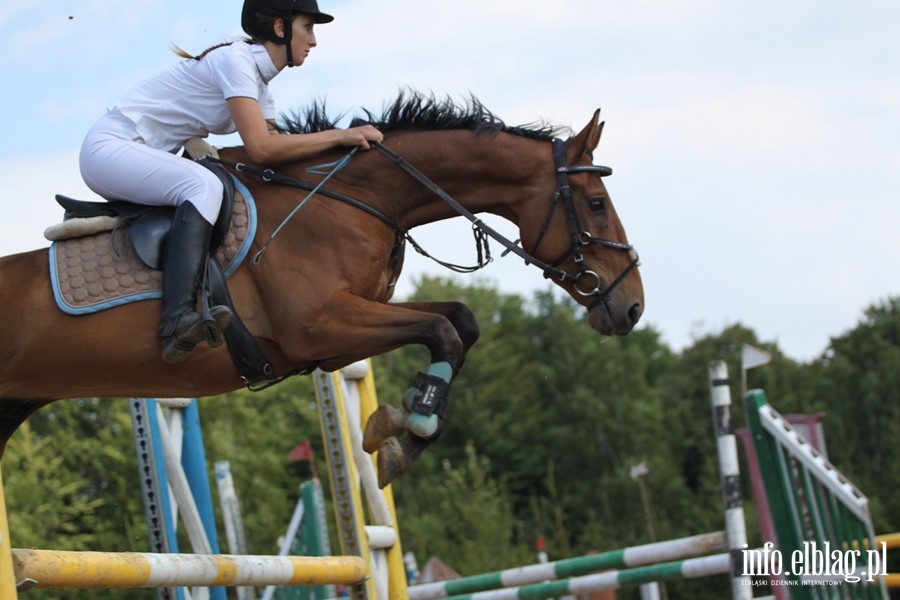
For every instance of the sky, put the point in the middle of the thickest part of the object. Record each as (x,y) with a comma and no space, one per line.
(755,146)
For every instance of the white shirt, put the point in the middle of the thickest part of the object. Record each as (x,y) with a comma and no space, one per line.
(188,99)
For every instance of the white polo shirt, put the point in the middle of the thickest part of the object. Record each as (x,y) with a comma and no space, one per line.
(188,99)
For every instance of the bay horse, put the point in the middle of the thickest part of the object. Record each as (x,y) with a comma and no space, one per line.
(319,295)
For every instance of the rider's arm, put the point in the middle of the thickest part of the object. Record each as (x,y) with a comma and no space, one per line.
(265,148)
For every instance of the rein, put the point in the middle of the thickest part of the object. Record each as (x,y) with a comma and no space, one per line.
(270,176)
(578,235)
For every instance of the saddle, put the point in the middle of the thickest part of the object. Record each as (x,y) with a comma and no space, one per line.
(148,227)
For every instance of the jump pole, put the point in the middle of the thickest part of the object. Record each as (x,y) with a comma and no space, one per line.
(730,477)
(691,568)
(345,400)
(111,570)
(635,556)
(7,575)
(360,382)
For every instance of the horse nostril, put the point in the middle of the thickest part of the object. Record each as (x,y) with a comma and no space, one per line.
(635,312)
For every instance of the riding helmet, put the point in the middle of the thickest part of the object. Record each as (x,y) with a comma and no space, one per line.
(261,29)
(251,24)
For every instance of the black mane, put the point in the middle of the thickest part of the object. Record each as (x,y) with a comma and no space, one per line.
(414,111)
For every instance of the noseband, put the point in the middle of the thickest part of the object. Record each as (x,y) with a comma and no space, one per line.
(578,235)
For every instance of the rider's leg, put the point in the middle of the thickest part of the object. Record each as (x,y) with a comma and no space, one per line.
(118,166)
(181,326)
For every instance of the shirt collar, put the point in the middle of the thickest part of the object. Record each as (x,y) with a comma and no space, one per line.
(264,64)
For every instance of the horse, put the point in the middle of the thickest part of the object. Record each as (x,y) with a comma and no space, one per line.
(320,294)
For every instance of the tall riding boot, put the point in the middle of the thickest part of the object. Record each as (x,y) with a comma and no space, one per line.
(181,326)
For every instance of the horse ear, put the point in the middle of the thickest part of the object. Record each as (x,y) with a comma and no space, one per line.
(586,141)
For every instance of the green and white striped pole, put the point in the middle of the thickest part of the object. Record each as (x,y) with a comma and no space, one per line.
(646,554)
(684,569)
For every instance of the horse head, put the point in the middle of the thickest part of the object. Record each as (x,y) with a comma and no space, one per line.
(580,240)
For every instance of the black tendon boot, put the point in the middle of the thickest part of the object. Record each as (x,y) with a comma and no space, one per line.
(181,326)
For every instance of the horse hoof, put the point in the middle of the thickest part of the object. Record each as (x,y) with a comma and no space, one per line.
(392,461)
(386,422)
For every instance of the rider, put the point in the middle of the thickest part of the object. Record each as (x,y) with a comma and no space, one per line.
(129,153)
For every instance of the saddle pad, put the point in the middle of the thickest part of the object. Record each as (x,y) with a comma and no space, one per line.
(93,273)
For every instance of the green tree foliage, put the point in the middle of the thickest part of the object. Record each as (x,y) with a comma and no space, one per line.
(465,514)
(858,384)
(70,477)
(547,420)
(256,433)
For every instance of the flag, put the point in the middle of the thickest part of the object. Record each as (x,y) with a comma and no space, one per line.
(639,470)
(301,452)
(752,357)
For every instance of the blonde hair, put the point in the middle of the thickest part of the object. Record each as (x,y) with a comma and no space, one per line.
(265,20)
(185,54)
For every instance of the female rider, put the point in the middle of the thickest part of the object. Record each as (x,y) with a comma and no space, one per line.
(129,153)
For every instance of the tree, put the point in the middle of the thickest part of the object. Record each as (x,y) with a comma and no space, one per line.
(858,382)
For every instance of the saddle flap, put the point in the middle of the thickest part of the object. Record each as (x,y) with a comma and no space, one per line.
(149,234)
(220,228)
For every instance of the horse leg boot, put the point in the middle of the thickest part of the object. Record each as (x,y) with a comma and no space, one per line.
(387,421)
(187,250)
(425,405)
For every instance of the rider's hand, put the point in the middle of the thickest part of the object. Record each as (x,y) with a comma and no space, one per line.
(361,136)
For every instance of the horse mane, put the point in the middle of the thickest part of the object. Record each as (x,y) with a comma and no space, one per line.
(416,111)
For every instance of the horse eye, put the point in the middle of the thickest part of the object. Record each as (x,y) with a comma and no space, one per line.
(597,204)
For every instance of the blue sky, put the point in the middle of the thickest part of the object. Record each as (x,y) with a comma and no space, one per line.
(756,146)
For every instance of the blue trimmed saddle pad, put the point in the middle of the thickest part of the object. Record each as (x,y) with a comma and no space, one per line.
(90,274)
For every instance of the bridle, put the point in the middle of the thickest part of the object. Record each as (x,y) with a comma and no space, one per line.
(579,236)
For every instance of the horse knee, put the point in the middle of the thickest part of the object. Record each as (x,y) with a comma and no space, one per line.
(447,344)
(465,323)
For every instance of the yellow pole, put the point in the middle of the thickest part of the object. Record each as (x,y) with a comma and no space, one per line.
(368,400)
(112,570)
(348,505)
(7,575)
(891,540)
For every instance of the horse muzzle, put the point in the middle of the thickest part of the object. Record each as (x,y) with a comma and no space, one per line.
(615,317)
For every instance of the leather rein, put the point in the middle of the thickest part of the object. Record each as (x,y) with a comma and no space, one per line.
(579,236)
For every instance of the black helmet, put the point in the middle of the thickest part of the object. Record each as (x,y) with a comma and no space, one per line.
(277,8)
(259,28)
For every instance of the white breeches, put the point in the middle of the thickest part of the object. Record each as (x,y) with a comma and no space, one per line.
(116,164)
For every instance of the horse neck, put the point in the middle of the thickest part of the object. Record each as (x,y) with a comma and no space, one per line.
(484,173)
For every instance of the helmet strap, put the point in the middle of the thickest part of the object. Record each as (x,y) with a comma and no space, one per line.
(288,24)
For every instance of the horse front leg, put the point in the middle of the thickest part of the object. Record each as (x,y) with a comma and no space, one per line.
(401,434)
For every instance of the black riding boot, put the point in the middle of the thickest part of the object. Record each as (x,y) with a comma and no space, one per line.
(181,326)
